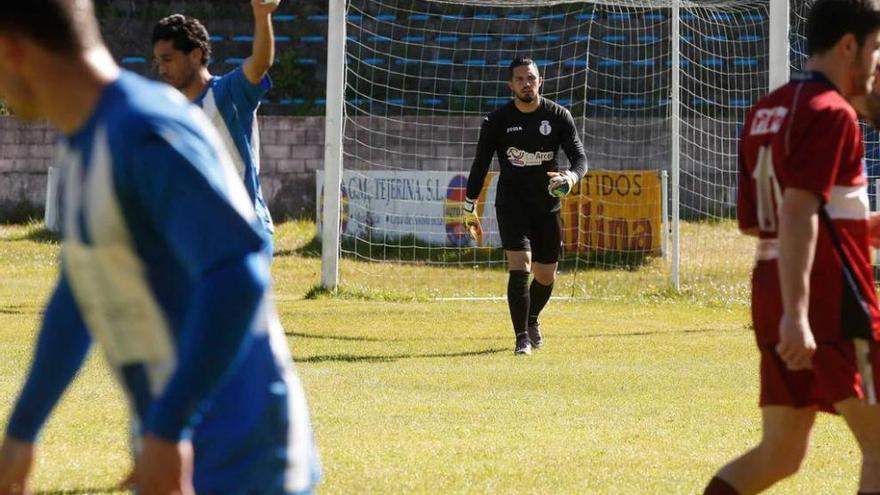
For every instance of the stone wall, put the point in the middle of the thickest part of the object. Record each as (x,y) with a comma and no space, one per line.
(292,149)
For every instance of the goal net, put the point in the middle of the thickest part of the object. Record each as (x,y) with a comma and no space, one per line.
(421,74)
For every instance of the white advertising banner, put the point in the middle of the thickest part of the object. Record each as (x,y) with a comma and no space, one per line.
(418,205)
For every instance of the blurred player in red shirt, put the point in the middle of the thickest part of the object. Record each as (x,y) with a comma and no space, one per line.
(801,151)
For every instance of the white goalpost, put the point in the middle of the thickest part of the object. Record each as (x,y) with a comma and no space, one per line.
(657,88)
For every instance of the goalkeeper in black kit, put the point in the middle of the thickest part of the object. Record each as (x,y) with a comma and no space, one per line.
(527,134)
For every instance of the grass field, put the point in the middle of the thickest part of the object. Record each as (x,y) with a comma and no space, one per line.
(633,393)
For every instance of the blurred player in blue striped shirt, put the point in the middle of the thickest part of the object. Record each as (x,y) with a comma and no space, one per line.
(181,53)
(163,264)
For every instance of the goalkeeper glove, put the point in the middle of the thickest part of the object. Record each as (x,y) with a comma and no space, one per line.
(561,183)
(470,218)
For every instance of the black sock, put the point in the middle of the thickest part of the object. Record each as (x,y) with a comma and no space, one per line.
(539,294)
(518,300)
(718,486)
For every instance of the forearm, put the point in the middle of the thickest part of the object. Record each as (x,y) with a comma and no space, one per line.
(62,345)
(215,334)
(798,233)
(263,53)
(480,165)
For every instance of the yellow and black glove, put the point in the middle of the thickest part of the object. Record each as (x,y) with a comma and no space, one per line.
(470,218)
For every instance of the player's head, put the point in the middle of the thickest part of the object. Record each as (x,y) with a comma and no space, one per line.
(181,48)
(525,79)
(850,31)
(35,35)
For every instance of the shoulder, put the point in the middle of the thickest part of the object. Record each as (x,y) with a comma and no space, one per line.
(556,109)
(145,114)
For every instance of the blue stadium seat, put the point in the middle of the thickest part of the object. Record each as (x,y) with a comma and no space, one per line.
(575,63)
(243,37)
(739,103)
(519,17)
(452,17)
(354,18)
(513,38)
(618,17)
(320,101)
(485,17)
(407,61)
(358,101)
(446,38)
(133,60)
(614,38)
(644,62)
(375,61)
(395,101)
(579,38)
(697,102)
(543,62)
(745,62)
(634,102)
(318,18)
(379,39)
(610,62)
(654,17)
(548,38)
(307,61)
(603,102)
(750,37)
(351,37)
(712,62)
(585,17)
(432,102)
(504,62)
(314,38)
(386,17)
(481,39)
(292,101)
(283,18)
(441,61)
(413,38)
(648,38)
(754,17)
(475,62)
(419,17)
(715,37)
(234,61)
(722,17)
(566,102)
(687,17)
(281,38)
(553,17)
(215,38)
(496,102)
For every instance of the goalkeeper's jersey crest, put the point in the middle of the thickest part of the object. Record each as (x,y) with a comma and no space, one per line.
(151,200)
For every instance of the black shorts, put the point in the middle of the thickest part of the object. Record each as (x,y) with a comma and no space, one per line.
(524,229)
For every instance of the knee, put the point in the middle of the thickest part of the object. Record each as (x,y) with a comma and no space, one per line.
(545,277)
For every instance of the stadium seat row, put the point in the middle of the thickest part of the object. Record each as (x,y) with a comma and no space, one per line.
(512,38)
(633,102)
(721,18)
(714,62)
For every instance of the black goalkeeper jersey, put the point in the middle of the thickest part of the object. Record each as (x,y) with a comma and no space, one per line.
(527,145)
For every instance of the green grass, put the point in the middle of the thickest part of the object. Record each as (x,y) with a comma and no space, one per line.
(639,389)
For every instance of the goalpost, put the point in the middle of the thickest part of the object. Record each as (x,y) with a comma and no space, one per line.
(657,88)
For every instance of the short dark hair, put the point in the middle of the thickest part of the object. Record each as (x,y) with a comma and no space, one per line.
(520,62)
(187,34)
(62,26)
(831,20)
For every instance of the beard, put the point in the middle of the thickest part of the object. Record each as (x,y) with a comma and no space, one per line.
(525,98)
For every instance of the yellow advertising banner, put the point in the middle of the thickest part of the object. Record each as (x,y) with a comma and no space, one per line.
(614,211)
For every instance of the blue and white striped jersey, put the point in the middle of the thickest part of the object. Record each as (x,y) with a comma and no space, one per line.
(231,103)
(164,265)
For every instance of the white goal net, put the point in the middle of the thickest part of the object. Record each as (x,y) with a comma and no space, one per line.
(421,74)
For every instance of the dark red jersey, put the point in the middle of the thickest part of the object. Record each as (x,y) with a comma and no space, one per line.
(805,135)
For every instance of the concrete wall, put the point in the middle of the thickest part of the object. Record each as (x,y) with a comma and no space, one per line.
(292,149)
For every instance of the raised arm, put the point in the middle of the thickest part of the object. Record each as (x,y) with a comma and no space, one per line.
(263,53)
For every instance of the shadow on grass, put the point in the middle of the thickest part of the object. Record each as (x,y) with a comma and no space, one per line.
(18,311)
(81,491)
(351,358)
(356,338)
(37,232)
(413,250)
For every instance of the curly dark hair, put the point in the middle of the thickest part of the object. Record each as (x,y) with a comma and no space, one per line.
(187,34)
(62,26)
(830,20)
